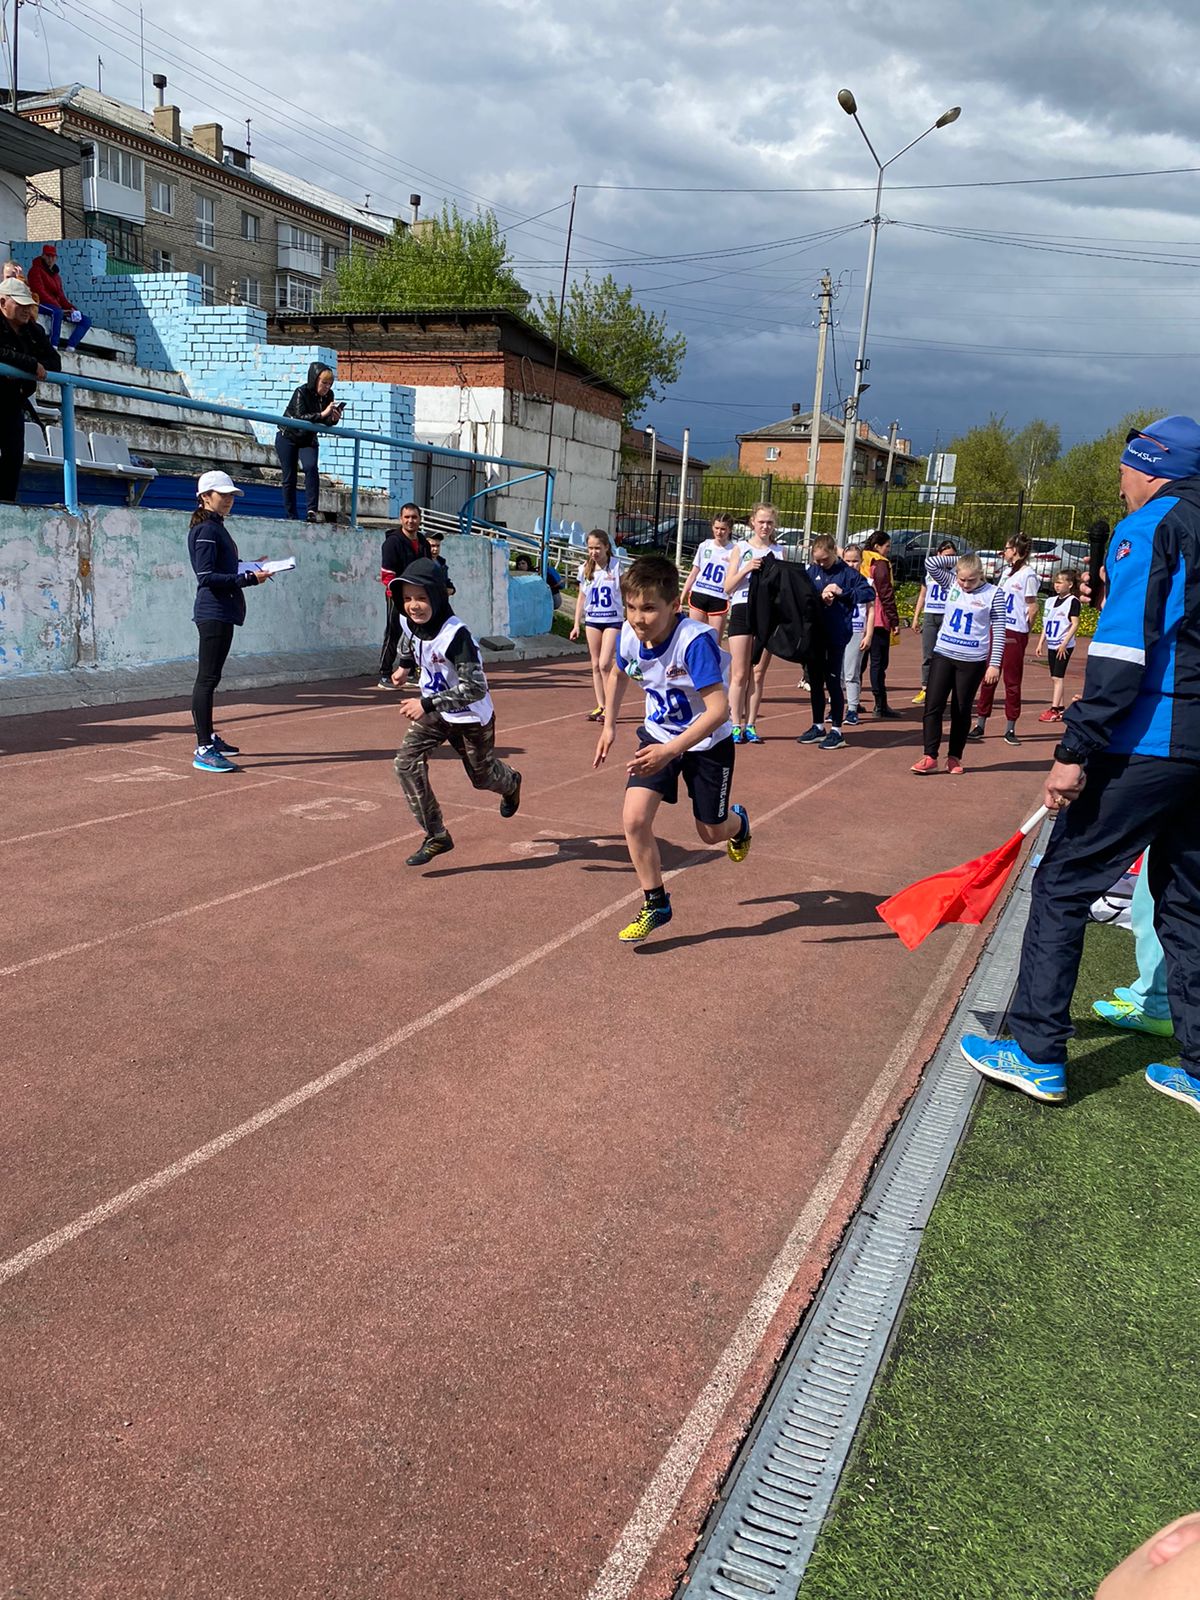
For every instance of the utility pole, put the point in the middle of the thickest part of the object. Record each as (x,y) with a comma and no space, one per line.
(814,424)
(887,476)
(683,466)
(16,40)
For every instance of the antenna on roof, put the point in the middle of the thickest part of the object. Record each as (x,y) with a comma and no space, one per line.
(99,74)
(142,53)
(366,202)
(247,136)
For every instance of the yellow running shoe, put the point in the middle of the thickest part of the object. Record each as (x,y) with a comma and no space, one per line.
(739,846)
(644,924)
(919,699)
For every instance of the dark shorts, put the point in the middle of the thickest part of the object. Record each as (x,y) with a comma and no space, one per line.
(600,627)
(739,620)
(1058,669)
(713,605)
(707,774)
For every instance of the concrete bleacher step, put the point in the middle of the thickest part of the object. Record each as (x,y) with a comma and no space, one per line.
(112,412)
(108,347)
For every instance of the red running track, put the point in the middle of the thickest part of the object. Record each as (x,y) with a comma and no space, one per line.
(375,1232)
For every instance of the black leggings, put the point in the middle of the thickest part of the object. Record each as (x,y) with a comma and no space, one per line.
(958,682)
(881,652)
(291,457)
(215,640)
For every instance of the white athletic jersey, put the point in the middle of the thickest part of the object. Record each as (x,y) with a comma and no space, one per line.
(602,595)
(672,674)
(966,630)
(1018,587)
(744,549)
(1056,619)
(713,561)
(858,621)
(935,596)
(437,672)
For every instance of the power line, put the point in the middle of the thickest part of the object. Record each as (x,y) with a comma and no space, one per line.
(977,183)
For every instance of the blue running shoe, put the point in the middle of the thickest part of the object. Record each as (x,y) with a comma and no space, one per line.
(1119,1013)
(210,759)
(224,747)
(833,740)
(750,734)
(814,735)
(1004,1061)
(852,719)
(737,734)
(1174,1081)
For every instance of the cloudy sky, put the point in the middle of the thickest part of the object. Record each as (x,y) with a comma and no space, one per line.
(1071,300)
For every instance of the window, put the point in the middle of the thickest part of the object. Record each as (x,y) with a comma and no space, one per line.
(294,294)
(164,261)
(208,283)
(251,227)
(251,292)
(332,256)
(116,166)
(206,222)
(162,197)
(772,452)
(300,239)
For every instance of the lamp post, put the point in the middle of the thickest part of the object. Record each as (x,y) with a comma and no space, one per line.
(652,497)
(850,106)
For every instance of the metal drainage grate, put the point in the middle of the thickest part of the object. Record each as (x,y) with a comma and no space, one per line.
(763,1530)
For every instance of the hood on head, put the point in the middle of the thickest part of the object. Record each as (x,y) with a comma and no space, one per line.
(316,368)
(427,575)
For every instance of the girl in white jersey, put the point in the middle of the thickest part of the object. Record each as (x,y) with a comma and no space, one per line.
(1019,584)
(1060,624)
(598,608)
(704,589)
(927,616)
(745,686)
(969,648)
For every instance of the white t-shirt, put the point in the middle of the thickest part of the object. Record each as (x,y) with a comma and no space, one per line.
(743,550)
(966,630)
(602,595)
(1019,586)
(713,561)
(672,674)
(1056,619)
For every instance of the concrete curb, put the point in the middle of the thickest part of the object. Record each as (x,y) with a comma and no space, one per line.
(172,680)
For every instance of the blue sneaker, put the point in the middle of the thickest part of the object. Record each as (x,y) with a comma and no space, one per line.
(1004,1061)
(737,734)
(224,746)
(1174,1081)
(1121,1013)
(852,719)
(750,734)
(210,759)
(833,740)
(814,735)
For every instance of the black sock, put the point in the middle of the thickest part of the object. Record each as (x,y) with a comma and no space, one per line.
(658,898)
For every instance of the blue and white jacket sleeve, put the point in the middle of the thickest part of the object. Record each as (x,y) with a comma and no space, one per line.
(1142,558)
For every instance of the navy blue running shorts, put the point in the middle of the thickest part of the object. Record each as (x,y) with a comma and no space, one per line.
(707,775)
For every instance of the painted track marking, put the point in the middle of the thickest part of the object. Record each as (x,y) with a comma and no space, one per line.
(640,1537)
(165,1176)
(142,811)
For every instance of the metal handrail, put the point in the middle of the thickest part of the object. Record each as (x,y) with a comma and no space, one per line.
(68,382)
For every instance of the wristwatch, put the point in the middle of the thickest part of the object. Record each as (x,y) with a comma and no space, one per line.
(1069,756)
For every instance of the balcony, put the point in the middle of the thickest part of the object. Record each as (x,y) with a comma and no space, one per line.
(113,199)
(294,259)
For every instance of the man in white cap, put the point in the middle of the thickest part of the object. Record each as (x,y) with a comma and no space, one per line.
(24,345)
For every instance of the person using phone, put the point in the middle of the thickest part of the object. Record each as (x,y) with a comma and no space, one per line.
(314,402)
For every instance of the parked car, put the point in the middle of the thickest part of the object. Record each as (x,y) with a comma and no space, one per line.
(911,547)
(631,528)
(695,531)
(993,564)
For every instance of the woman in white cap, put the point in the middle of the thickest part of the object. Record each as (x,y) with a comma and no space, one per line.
(220,608)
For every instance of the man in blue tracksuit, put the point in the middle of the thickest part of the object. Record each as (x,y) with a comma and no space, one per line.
(1127,772)
(841,589)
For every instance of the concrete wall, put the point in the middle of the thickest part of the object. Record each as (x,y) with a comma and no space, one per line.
(114,588)
(223,355)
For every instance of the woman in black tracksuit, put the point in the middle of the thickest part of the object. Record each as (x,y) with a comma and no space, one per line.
(220,607)
(313,401)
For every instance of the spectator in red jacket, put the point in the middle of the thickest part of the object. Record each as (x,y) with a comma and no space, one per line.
(877,570)
(46,282)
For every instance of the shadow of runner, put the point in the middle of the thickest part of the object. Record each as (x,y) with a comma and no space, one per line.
(811,908)
(598,854)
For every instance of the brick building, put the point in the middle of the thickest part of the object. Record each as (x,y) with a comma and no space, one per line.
(781,448)
(165,198)
(483,381)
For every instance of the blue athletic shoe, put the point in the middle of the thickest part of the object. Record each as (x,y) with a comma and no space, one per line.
(210,759)
(852,719)
(832,741)
(1122,1013)
(1004,1061)
(1174,1081)
(224,746)
(750,734)
(737,735)
(814,735)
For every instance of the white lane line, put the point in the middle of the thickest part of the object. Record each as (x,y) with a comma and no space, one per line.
(167,1175)
(207,905)
(662,1495)
(142,811)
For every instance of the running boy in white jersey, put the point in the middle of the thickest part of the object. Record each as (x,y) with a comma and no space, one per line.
(687,731)
(1060,624)
(704,588)
(454,708)
(928,613)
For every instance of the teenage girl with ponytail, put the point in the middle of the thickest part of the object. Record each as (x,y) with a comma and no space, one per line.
(1019,586)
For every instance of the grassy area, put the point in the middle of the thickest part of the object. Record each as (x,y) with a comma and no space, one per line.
(1043,1392)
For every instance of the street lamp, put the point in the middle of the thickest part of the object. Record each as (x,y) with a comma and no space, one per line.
(652,495)
(850,106)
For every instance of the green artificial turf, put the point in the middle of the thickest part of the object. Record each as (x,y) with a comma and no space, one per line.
(1040,1412)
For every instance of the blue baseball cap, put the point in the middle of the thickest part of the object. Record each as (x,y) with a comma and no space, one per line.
(1168,448)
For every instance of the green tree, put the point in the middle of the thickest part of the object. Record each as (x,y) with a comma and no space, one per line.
(1035,448)
(451,262)
(1085,476)
(986,466)
(604,327)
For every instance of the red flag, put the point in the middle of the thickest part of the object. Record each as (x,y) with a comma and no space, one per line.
(964,894)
